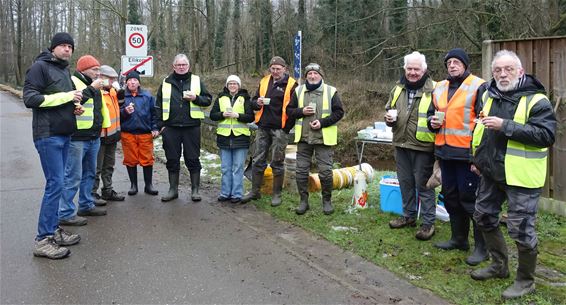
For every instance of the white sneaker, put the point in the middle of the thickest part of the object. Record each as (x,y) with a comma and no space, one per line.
(47,247)
(64,238)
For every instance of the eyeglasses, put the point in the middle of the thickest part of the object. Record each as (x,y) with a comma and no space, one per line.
(181,65)
(507,69)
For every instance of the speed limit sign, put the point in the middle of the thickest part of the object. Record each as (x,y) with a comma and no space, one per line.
(136,40)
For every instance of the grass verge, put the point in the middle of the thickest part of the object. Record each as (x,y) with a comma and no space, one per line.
(366,233)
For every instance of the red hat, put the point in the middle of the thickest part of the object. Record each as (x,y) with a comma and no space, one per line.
(86,62)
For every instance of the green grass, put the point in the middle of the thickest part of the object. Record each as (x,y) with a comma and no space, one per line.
(443,272)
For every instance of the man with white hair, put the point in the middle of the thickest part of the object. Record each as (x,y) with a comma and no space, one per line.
(510,147)
(181,100)
(406,109)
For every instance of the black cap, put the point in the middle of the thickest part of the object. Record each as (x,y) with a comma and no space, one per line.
(61,38)
(133,74)
(459,54)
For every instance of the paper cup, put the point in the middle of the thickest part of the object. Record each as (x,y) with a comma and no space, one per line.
(313,106)
(266,100)
(439,115)
(393,113)
(228,109)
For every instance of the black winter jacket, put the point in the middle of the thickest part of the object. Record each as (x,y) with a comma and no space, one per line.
(179,115)
(232,141)
(539,130)
(49,75)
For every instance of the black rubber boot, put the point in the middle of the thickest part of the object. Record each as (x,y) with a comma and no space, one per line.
(133,174)
(254,194)
(302,187)
(495,243)
(195,186)
(460,226)
(480,251)
(173,192)
(525,280)
(148,179)
(326,185)
(277,187)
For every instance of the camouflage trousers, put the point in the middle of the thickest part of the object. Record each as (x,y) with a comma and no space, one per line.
(523,203)
(266,140)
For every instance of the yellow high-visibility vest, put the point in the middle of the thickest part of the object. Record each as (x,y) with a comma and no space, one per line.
(423,133)
(330,133)
(525,165)
(228,125)
(194,110)
(86,120)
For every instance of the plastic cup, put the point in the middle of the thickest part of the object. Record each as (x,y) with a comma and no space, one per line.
(439,115)
(266,100)
(228,109)
(393,113)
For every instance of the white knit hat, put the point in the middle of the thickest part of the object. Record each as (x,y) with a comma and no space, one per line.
(234,78)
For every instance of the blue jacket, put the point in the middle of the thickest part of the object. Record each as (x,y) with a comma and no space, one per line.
(144,117)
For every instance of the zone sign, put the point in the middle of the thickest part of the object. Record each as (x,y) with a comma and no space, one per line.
(136,40)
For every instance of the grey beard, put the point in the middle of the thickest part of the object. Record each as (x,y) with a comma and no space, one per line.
(512,86)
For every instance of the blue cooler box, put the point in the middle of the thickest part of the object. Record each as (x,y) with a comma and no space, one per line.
(390,195)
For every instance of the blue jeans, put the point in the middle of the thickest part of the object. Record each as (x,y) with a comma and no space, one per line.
(79,176)
(53,156)
(232,172)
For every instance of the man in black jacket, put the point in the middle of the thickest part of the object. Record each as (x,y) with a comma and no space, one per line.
(270,103)
(49,92)
(510,144)
(181,99)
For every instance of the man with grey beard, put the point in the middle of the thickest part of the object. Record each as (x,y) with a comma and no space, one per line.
(510,146)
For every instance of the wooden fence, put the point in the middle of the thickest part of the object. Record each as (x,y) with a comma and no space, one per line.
(545,58)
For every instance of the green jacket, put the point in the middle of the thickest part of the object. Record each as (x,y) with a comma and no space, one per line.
(405,128)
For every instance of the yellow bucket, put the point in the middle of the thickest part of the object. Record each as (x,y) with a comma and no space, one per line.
(267,185)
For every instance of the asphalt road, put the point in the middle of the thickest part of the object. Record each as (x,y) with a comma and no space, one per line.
(146,251)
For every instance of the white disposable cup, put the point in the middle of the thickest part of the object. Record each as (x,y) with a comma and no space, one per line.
(439,115)
(313,106)
(105,82)
(392,113)
(266,100)
(228,109)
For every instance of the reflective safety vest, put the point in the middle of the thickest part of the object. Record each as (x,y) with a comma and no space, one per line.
(228,125)
(110,123)
(460,114)
(263,84)
(330,133)
(525,165)
(423,133)
(86,120)
(194,110)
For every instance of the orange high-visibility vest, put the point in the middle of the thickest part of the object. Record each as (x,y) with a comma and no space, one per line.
(459,116)
(263,84)
(110,98)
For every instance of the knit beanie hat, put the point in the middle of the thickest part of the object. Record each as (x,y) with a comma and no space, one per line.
(108,71)
(459,54)
(234,78)
(86,62)
(61,38)
(277,60)
(133,74)
(314,67)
